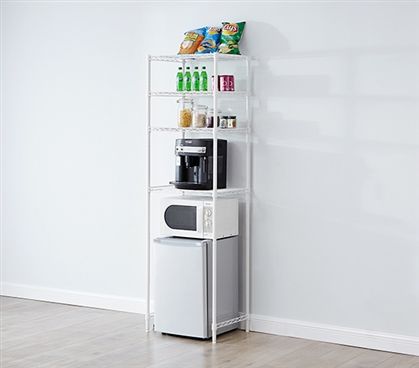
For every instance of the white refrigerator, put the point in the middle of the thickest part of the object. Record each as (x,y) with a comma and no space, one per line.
(183,294)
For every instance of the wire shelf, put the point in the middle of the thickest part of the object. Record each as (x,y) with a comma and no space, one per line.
(214,60)
(180,58)
(198,94)
(242,317)
(206,193)
(199,130)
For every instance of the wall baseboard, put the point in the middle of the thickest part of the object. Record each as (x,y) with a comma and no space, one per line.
(335,334)
(265,324)
(102,301)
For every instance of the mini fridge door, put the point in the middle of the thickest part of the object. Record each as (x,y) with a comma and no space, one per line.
(181,287)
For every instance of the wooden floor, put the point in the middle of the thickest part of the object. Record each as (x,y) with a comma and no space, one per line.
(38,334)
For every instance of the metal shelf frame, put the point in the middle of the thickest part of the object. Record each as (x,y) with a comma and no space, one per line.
(199,130)
(215,192)
(232,94)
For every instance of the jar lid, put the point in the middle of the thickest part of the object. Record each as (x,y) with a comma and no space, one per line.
(232,117)
(185,99)
(224,117)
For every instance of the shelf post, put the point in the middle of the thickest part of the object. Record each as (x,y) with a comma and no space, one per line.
(148,230)
(183,71)
(214,203)
(248,194)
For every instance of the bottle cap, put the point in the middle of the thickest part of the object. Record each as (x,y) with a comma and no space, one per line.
(204,67)
(196,67)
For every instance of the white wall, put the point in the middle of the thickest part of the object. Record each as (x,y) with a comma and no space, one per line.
(336,200)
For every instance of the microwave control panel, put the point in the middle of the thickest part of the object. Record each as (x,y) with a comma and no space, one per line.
(227,218)
(207,218)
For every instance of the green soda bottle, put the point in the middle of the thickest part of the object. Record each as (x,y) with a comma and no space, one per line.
(195,80)
(179,80)
(204,79)
(187,80)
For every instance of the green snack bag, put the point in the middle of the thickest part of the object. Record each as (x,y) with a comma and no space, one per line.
(231,34)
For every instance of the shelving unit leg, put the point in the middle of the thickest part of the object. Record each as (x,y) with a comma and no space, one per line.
(214,212)
(148,248)
(248,197)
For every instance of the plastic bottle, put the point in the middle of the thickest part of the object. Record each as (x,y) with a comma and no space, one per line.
(179,80)
(187,80)
(204,79)
(195,79)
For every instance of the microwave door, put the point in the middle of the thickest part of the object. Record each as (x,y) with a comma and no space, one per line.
(184,220)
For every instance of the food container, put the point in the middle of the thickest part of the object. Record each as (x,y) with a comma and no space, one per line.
(199,116)
(185,106)
(210,118)
(232,122)
(213,85)
(226,83)
(223,121)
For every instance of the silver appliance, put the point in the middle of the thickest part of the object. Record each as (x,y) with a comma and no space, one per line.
(192,217)
(183,297)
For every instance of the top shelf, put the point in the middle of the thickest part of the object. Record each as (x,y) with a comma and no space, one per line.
(196,57)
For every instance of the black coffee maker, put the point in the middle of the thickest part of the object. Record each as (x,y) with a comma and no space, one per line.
(194,164)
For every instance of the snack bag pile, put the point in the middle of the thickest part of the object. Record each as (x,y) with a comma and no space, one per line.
(213,39)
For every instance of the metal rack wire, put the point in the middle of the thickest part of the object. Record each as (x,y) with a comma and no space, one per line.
(207,193)
(198,130)
(196,94)
(215,192)
(197,57)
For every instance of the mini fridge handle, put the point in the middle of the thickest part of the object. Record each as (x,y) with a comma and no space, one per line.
(182,242)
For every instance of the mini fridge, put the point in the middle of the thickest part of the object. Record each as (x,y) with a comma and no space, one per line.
(183,297)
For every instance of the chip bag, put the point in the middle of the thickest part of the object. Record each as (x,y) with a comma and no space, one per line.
(211,41)
(191,41)
(231,34)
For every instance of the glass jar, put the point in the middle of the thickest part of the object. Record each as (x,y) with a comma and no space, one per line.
(210,118)
(185,106)
(223,121)
(199,117)
(232,121)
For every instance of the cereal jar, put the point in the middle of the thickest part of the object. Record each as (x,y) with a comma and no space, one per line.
(199,116)
(185,106)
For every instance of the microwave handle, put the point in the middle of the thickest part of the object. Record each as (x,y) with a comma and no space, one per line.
(200,218)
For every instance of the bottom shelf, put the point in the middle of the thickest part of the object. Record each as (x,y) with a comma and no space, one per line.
(242,317)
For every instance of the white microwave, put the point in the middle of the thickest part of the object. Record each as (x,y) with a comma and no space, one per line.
(192,217)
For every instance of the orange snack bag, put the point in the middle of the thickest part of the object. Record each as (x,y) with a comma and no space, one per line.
(191,41)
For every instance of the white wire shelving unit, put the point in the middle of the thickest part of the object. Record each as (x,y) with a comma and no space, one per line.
(243,192)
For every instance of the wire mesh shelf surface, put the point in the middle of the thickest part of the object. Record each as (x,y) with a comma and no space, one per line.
(198,94)
(197,57)
(208,193)
(198,130)
(242,317)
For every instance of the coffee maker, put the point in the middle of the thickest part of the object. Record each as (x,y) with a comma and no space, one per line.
(194,164)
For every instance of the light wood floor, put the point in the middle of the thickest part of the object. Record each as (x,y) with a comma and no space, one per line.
(38,334)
